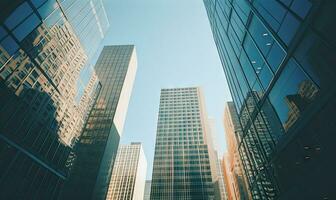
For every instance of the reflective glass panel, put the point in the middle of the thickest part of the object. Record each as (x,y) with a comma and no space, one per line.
(292,94)
(18,15)
(10,45)
(26,27)
(301,7)
(288,28)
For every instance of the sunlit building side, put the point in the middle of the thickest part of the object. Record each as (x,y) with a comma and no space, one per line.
(129,173)
(237,180)
(182,168)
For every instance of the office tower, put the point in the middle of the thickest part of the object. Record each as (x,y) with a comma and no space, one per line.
(227,178)
(148,186)
(219,184)
(235,172)
(41,57)
(181,168)
(129,174)
(278,58)
(98,144)
(216,170)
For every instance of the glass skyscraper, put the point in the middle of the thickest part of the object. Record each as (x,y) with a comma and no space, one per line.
(129,173)
(97,148)
(41,57)
(181,168)
(279,59)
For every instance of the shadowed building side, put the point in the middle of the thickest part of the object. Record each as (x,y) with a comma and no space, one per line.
(278,57)
(97,148)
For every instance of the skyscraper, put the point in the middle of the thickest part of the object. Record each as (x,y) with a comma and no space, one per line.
(216,169)
(219,183)
(41,56)
(181,167)
(235,173)
(278,58)
(129,174)
(148,186)
(98,144)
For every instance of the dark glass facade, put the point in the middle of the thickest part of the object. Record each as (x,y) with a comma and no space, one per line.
(41,57)
(98,144)
(279,59)
(181,168)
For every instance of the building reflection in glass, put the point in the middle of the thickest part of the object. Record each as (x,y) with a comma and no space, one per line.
(41,57)
(281,53)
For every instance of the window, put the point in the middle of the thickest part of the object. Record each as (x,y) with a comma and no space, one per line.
(242,9)
(292,94)
(247,68)
(272,11)
(38,3)
(48,8)
(288,28)
(275,56)
(26,27)
(317,59)
(3,33)
(55,17)
(260,67)
(10,45)
(18,15)
(301,7)
(261,35)
(266,43)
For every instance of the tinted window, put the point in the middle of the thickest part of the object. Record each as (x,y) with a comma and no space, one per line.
(268,46)
(48,8)
(26,27)
(259,65)
(275,56)
(243,9)
(3,32)
(288,28)
(37,3)
(271,11)
(317,59)
(287,2)
(301,7)
(247,68)
(10,45)
(292,94)
(18,15)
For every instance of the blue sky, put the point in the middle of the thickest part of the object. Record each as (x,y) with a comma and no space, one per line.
(175,48)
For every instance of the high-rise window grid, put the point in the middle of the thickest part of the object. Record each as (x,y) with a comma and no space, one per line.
(115,67)
(41,56)
(128,176)
(276,57)
(181,161)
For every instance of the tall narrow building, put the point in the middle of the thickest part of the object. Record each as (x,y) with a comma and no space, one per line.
(278,57)
(181,167)
(41,57)
(148,186)
(129,174)
(219,183)
(98,145)
(237,179)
